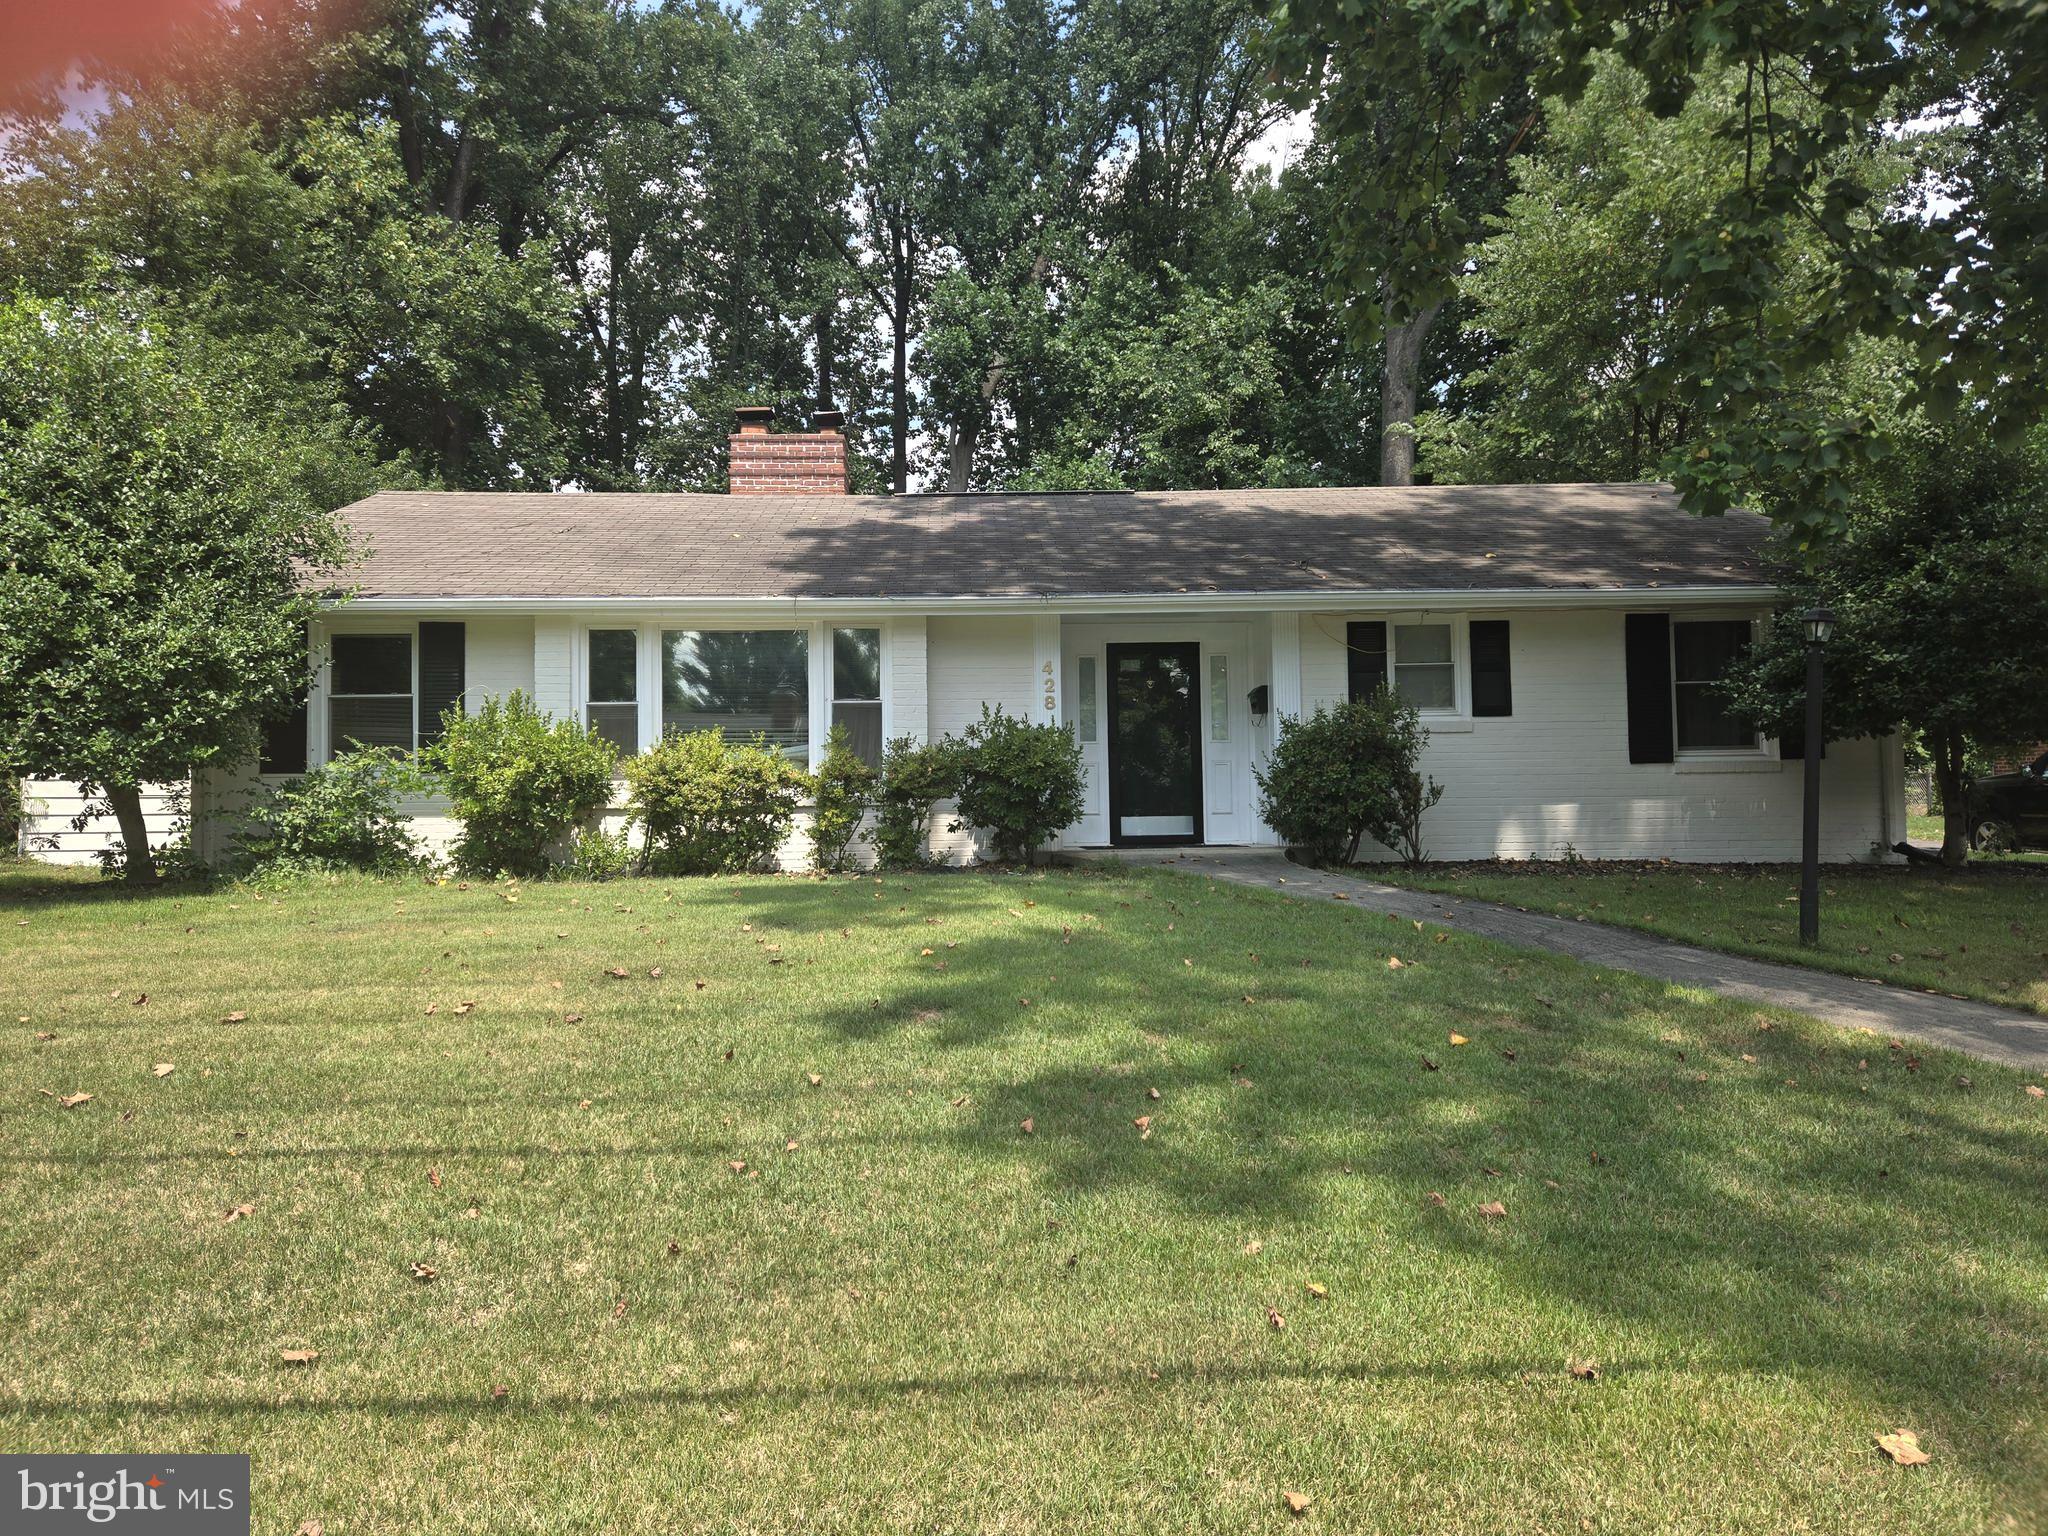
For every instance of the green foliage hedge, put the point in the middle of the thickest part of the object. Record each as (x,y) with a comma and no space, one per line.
(1015,781)
(341,815)
(711,806)
(520,784)
(1346,773)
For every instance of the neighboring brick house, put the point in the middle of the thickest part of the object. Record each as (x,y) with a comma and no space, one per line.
(1560,640)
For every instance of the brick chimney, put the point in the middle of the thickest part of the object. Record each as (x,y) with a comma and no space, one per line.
(765,463)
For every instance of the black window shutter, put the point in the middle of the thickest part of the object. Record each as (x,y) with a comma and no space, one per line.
(1365,658)
(1649,688)
(1493,690)
(284,743)
(442,675)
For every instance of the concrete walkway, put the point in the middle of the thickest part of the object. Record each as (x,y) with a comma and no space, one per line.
(1981,1029)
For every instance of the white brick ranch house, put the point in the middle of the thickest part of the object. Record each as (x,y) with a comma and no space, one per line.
(1559,640)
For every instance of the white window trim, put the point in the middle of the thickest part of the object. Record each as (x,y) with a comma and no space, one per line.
(1764,749)
(1458,718)
(320,744)
(649,680)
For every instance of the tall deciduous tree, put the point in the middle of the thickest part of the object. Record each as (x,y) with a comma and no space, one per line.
(1940,596)
(163,504)
(1964,283)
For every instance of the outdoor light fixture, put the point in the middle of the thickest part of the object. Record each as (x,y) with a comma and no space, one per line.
(1820,627)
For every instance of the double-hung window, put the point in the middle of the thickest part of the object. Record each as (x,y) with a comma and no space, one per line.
(747,682)
(612,708)
(857,690)
(1702,652)
(1425,666)
(370,692)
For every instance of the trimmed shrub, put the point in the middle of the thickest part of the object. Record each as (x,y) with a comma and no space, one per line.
(1347,773)
(841,791)
(712,806)
(342,815)
(519,783)
(1017,782)
(915,777)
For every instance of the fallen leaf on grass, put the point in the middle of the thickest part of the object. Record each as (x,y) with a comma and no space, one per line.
(1585,1370)
(674,1247)
(2036,1091)
(1428,1065)
(310,1528)
(73,1100)
(654,973)
(789,1145)
(1297,1503)
(1749,1058)
(499,1392)
(813,1078)
(1153,1093)
(1458,1039)
(1903,1446)
(237,1017)
(46,1034)
(434,1177)
(1493,1210)
(1026,1126)
(617,972)
(572,1018)
(1253,1246)
(1320,1292)
(466,1006)
(141,998)
(163,1069)
(298,1356)
(1274,1319)
(1144,1125)
(1395,963)
(424,1273)
(737,1165)
(620,1310)
(238,1212)
(1433,1199)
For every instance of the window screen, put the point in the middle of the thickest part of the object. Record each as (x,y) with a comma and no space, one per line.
(745,681)
(369,695)
(1701,654)
(857,690)
(1084,697)
(612,705)
(1425,673)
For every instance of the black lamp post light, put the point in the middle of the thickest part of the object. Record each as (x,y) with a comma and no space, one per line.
(1820,627)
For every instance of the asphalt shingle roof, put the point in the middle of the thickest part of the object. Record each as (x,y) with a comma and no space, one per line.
(1090,544)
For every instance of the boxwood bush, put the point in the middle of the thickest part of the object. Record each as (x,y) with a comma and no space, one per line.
(841,791)
(1015,781)
(711,806)
(1346,773)
(915,777)
(520,783)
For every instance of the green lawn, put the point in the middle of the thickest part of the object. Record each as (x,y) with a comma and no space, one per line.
(1977,932)
(905,1313)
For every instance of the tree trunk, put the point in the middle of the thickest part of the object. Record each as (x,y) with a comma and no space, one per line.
(138,867)
(899,387)
(821,334)
(1398,396)
(1953,780)
(960,450)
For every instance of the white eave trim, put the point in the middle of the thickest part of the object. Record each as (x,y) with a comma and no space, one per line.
(1463,599)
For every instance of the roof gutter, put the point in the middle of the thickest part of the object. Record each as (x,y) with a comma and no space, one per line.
(1461,599)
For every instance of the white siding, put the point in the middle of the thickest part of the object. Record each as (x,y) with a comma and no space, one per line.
(48,807)
(972,662)
(909,680)
(552,667)
(499,657)
(1557,771)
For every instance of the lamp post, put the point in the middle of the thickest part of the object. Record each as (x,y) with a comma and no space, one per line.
(1820,624)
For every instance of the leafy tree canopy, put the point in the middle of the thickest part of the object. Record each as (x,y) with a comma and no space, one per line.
(162,497)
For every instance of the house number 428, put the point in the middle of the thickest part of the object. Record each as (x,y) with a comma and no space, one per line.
(1052,699)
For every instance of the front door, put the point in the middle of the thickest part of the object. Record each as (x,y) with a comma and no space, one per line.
(1155,763)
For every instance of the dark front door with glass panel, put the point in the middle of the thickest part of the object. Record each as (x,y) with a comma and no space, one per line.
(1155,765)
